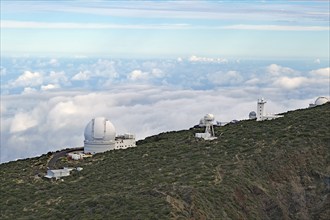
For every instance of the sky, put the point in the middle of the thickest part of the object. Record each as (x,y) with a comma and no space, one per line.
(152,66)
(166,28)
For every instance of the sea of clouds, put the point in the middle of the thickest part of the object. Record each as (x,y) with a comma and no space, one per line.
(47,102)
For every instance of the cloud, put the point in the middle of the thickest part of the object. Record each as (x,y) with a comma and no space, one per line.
(11,24)
(28,90)
(82,76)
(290,83)
(57,78)
(3,71)
(21,122)
(158,73)
(137,75)
(31,80)
(3,109)
(102,68)
(219,10)
(61,114)
(275,27)
(228,78)
(53,62)
(49,87)
(325,72)
(253,81)
(207,59)
(28,79)
(289,79)
(136,100)
(42,122)
(277,70)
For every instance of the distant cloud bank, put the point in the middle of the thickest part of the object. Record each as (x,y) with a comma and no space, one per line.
(45,106)
(12,24)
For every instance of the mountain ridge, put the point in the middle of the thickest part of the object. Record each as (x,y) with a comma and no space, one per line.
(276,169)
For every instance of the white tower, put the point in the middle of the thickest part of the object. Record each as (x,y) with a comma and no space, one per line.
(261,109)
(209,118)
(209,130)
(261,112)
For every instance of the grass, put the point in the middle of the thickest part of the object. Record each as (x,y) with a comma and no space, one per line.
(275,169)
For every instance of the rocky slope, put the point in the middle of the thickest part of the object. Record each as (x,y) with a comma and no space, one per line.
(277,169)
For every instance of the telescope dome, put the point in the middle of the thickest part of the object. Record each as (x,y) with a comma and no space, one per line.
(99,135)
(209,117)
(321,100)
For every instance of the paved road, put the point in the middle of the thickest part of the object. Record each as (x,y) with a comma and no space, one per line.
(56,156)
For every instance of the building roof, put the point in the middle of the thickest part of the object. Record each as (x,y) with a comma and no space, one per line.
(99,129)
(321,100)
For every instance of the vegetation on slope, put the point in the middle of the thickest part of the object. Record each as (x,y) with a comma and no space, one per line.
(277,169)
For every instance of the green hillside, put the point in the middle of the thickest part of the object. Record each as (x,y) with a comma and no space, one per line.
(277,169)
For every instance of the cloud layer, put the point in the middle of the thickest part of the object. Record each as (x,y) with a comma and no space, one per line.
(12,24)
(46,105)
(54,121)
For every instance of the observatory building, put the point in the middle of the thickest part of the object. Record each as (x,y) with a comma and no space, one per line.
(319,101)
(252,115)
(100,136)
(261,112)
(207,121)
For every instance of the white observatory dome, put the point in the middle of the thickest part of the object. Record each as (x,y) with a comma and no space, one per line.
(99,135)
(100,129)
(209,117)
(321,100)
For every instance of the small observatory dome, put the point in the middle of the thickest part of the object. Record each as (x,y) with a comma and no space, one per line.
(321,100)
(252,115)
(99,136)
(209,117)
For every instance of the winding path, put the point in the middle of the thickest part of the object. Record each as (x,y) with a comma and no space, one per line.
(51,163)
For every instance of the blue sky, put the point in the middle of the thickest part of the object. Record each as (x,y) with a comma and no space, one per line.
(139,29)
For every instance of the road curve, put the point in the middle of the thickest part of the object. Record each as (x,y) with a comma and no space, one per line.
(51,163)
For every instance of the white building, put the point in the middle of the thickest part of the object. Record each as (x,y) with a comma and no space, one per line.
(125,141)
(100,136)
(319,101)
(209,130)
(78,155)
(75,156)
(57,174)
(261,112)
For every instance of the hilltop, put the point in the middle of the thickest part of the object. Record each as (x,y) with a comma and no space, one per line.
(277,169)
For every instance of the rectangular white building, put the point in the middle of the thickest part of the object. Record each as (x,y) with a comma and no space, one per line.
(125,141)
(57,174)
